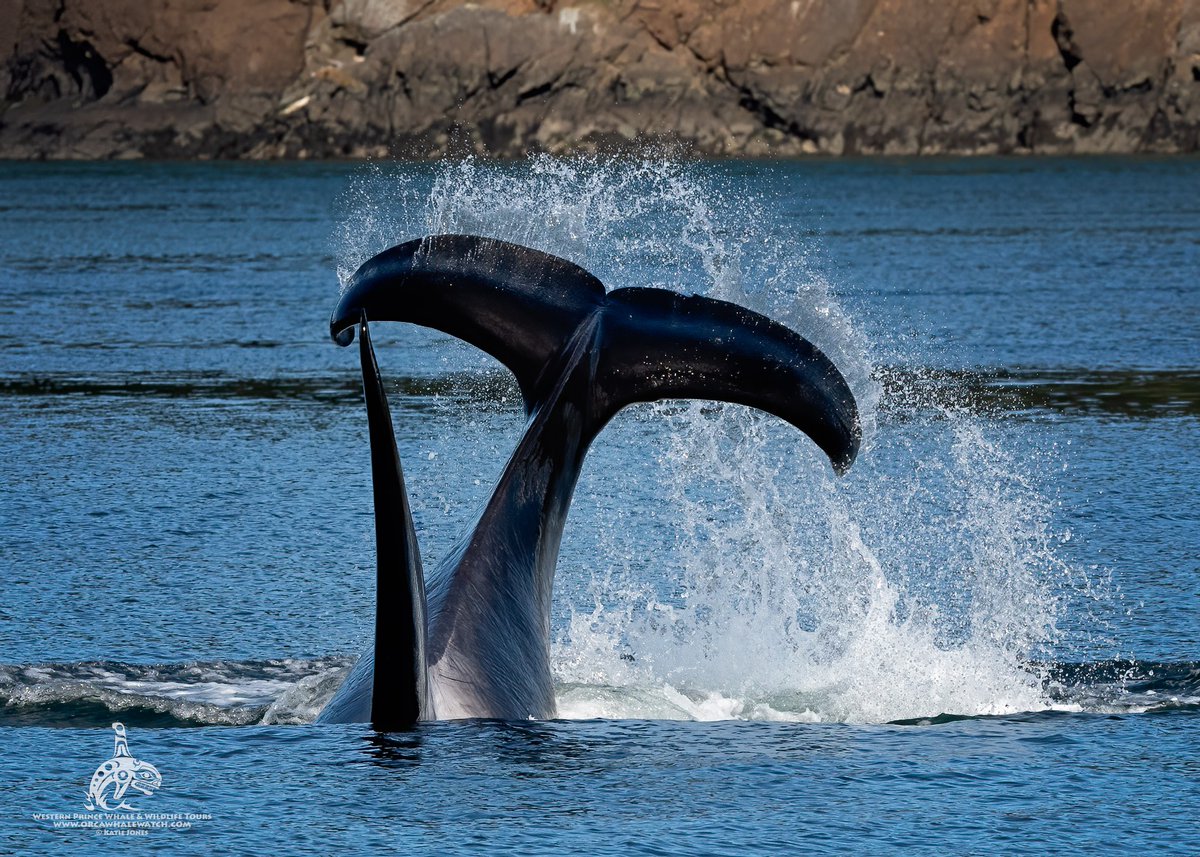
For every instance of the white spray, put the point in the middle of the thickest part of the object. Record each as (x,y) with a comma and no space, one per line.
(925,582)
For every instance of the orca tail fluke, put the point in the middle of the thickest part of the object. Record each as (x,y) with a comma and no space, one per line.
(525,307)
(400,692)
(659,344)
(519,305)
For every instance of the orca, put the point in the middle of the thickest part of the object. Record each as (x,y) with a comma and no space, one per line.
(472,640)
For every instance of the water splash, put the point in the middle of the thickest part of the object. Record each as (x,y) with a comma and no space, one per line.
(242,693)
(226,693)
(926,582)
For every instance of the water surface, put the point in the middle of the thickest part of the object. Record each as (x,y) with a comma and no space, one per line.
(983,639)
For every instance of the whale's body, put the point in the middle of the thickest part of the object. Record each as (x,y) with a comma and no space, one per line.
(473,639)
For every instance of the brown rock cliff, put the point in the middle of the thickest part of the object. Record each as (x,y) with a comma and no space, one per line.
(337,78)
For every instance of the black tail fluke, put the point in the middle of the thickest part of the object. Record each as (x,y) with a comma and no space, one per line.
(400,693)
(523,307)
(663,345)
(517,304)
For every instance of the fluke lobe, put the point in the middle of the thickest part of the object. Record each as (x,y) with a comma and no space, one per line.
(472,640)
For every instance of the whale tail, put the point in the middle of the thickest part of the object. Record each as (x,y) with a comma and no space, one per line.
(523,307)
(579,354)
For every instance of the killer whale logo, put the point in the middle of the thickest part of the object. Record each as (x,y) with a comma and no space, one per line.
(114,778)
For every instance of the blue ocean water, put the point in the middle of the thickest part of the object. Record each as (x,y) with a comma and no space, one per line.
(984,639)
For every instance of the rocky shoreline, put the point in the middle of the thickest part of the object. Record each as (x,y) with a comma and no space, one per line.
(418,78)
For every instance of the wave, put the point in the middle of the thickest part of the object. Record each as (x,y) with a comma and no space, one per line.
(1136,393)
(908,392)
(226,693)
(489,387)
(293,691)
